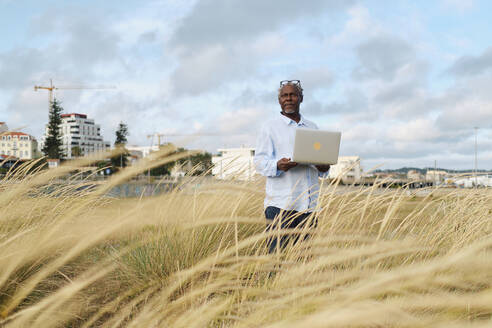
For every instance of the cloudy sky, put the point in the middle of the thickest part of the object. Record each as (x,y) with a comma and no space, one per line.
(405,81)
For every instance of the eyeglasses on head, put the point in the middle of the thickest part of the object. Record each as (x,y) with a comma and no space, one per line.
(294,82)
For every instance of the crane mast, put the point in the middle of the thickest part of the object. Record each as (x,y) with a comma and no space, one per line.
(50,89)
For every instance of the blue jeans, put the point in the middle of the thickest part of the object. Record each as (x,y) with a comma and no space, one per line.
(287,220)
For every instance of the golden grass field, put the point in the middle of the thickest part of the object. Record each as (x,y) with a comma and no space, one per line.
(196,257)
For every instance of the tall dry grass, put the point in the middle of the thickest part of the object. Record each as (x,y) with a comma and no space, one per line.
(196,256)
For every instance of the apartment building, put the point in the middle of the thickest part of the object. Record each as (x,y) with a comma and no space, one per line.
(348,169)
(80,136)
(18,144)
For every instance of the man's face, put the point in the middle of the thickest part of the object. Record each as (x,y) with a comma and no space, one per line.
(289,100)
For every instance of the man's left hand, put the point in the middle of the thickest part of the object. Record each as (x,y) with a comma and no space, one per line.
(323,168)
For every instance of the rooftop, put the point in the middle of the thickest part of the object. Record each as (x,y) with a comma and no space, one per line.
(4,157)
(13,133)
(74,114)
(235,149)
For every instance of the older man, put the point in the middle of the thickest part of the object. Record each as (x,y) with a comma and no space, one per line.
(291,188)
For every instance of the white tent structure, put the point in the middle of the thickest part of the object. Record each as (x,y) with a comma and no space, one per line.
(470,182)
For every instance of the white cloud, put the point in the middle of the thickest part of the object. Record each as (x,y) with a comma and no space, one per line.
(458,5)
(316,78)
(213,22)
(382,57)
(417,130)
(360,25)
(240,121)
(210,68)
(472,65)
(219,42)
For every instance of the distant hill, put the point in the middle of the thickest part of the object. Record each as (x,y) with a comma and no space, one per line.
(425,169)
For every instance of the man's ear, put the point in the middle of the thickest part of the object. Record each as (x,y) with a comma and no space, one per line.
(302,98)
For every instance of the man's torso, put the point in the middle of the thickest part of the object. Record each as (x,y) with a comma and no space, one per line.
(297,189)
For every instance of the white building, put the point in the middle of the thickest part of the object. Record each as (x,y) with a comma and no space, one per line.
(471,181)
(414,175)
(435,175)
(18,144)
(234,163)
(348,169)
(79,131)
(141,151)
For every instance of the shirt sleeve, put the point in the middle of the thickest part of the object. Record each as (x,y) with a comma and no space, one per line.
(265,161)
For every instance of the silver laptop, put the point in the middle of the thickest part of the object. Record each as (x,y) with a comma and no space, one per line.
(316,146)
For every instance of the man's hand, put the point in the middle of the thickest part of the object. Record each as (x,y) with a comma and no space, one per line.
(322,168)
(285,164)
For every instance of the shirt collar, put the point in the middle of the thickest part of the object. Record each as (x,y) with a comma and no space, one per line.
(289,121)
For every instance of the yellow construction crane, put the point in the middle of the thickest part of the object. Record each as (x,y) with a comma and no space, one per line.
(158,135)
(51,88)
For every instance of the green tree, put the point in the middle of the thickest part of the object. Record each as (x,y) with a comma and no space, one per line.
(120,142)
(121,134)
(202,163)
(166,168)
(77,151)
(162,170)
(53,144)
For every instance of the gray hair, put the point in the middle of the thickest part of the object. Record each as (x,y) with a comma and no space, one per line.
(297,86)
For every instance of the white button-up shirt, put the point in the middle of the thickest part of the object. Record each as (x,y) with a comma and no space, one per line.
(298,188)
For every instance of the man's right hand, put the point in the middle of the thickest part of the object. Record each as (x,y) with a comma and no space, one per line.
(284,164)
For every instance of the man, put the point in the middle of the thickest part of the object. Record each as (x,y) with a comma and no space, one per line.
(291,188)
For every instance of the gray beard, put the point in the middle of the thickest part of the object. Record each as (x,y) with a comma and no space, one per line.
(289,111)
